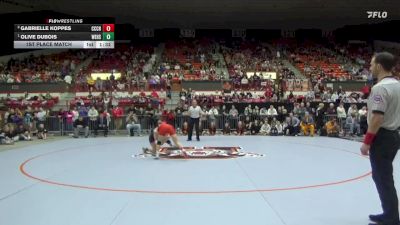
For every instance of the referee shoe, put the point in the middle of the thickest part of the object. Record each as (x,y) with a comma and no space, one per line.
(376,218)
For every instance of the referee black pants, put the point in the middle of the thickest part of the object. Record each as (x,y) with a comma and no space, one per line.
(382,153)
(193,122)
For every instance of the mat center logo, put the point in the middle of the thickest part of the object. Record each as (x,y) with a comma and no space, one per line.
(200,153)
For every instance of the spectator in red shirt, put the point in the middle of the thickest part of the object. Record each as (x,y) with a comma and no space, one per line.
(171,117)
(117,113)
(365,90)
(154,94)
(268,93)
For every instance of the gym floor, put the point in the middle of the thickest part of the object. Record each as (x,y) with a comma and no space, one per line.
(96,181)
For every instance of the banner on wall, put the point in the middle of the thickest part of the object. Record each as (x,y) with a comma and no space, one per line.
(263,75)
(297,84)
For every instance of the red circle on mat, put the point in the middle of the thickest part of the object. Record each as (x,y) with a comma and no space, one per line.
(26,173)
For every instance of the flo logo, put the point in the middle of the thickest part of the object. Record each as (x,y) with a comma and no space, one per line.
(377,14)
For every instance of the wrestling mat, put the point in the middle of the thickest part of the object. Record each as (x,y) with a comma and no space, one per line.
(207,152)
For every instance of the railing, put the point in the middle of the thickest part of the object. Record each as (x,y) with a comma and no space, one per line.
(62,126)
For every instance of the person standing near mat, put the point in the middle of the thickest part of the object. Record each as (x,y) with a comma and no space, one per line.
(382,139)
(194,113)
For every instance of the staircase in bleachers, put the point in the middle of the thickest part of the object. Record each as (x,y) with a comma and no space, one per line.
(296,71)
(84,64)
(173,102)
(221,68)
(64,99)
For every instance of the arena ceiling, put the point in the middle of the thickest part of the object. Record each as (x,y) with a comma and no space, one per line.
(288,14)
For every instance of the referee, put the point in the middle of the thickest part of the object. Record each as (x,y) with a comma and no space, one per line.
(382,139)
(194,114)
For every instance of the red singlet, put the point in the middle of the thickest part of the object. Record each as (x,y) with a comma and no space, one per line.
(165,129)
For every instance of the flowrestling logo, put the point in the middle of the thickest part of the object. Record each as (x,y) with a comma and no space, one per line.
(377,14)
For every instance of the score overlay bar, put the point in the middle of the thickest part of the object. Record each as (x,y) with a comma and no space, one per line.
(63,44)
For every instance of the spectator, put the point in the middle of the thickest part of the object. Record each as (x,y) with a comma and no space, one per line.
(132,124)
(353,124)
(247,125)
(264,112)
(68,79)
(282,113)
(341,114)
(203,121)
(224,111)
(42,132)
(279,128)
(301,111)
(247,111)
(117,113)
(10,134)
(332,128)
(83,111)
(362,114)
(241,128)
(319,116)
(334,97)
(365,91)
(256,111)
(4,139)
(307,125)
(352,109)
(103,122)
(99,84)
(23,133)
(93,115)
(81,125)
(90,82)
(293,125)
(331,110)
(60,117)
(154,94)
(233,112)
(272,111)
(276,127)
(75,114)
(285,125)
(170,117)
(363,111)
(212,129)
(8,115)
(28,119)
(310,96)
(227,129)
(265,128)
(41,116)
(69,119)
(212,114)
(255,128)
(185,128)
(310,109)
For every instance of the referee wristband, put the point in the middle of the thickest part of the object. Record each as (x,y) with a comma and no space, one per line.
(369,138)
(158,142)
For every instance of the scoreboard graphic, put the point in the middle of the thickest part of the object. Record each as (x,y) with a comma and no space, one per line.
(90,33)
